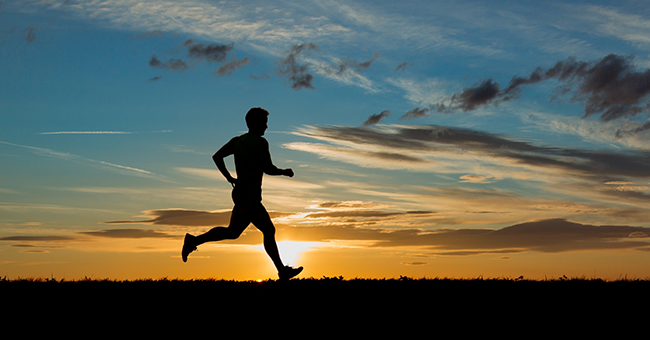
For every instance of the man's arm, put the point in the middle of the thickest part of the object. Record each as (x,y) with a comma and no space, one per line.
(271,169)
(221,165)
(275,171)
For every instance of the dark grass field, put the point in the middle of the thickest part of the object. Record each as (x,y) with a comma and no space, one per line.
(335,305)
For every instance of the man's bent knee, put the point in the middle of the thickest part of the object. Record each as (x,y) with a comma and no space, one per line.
(232,233)
(268,231)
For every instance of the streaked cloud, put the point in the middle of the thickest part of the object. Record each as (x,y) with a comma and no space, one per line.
(444,149)
(461,158)
(86,133)
(619,133)
(426,92)
(477,179)
(129,233)
(98,132)
(70,157)
(187,218)
(630,27)
(550,236)
(39,238)
(129,168)
(231,66)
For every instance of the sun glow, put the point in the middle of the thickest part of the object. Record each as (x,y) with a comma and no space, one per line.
(290,251)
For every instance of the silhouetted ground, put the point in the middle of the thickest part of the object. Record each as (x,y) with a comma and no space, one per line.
(334,305)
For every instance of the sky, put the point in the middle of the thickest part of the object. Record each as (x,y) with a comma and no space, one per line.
(457,139)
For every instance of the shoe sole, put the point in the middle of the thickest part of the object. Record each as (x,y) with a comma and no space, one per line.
(298,271)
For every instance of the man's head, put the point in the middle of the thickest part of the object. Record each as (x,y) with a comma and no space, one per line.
(256,120)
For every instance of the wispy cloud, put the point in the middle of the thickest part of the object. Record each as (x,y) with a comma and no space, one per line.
(619,133)
(296,70)
(127,168)
(129,233)
(476,157)
(231,66)
(99,132)
(71,157)
(187,218)
(418,143)
(426,92)
(86,133)
(262,27)
(630,27)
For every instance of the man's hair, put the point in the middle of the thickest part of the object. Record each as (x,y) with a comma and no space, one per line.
(255,116)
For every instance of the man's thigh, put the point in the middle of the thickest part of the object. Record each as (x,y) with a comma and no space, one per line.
(240,218)
(261,219)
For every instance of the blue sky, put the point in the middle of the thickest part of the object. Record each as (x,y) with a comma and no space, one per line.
(399,118)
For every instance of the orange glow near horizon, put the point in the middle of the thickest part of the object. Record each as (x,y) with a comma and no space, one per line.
(291,251)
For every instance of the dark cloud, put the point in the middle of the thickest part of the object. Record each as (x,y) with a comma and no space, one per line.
(475,96)
(403,66)
(588,164)
(344,65)
(201,52)
(129,233)
(610,87)
(415,263)
(479,252)
(187,218)
(37,238)
(295,70)
(261,76)
(550,236)
(623,132)
(171,64)
(415,113)
(30,34)
(373,119)
(156,78)
(231,66)
(211,52)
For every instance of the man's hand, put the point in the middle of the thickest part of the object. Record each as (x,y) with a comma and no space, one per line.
(287,172)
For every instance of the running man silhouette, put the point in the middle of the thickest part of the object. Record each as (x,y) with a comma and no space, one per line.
(252,161)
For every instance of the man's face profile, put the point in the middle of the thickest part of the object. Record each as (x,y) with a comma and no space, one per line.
(259,126)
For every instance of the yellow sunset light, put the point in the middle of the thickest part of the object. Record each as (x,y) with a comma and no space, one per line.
(290,251)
